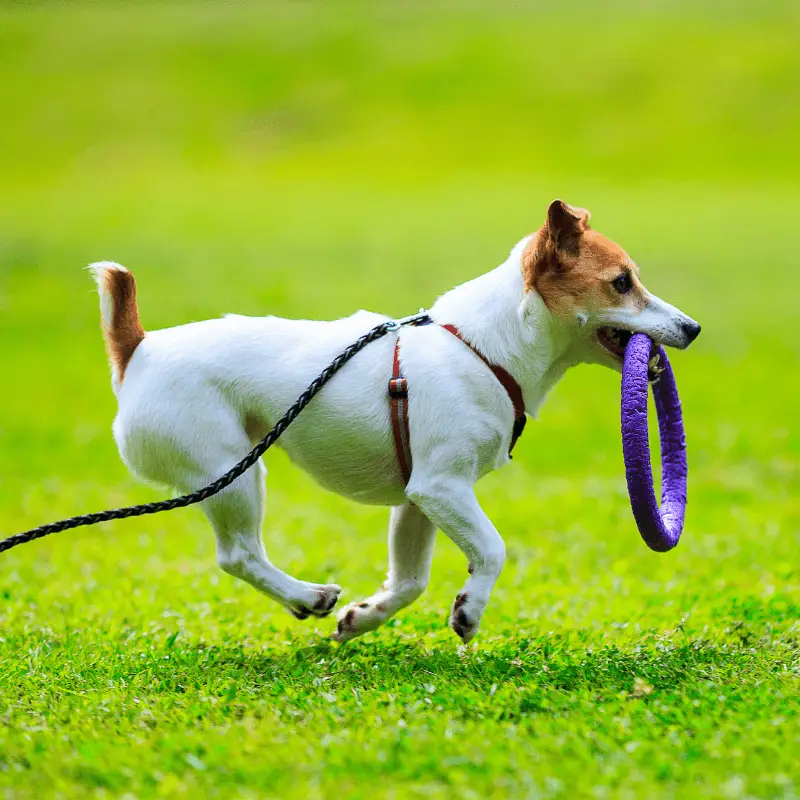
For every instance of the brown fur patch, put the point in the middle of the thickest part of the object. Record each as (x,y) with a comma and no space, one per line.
(572,266)
(125,333)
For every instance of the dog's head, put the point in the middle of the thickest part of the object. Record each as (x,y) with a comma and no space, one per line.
(592,286)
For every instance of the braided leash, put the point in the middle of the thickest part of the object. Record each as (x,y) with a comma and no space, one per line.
(232,474)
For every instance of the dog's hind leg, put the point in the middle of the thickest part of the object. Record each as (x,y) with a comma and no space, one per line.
(411,539)
(195,447)
(236,515)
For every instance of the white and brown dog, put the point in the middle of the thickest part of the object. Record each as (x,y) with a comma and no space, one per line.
(194,399)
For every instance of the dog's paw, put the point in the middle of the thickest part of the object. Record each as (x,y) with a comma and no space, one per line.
(464,619)
(320,602)
(358,618)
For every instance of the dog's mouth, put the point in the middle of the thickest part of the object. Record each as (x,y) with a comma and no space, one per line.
(615,340)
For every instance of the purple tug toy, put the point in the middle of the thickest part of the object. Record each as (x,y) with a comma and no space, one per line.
(660,528)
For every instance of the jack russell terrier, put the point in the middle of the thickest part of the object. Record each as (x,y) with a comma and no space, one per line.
(194,399)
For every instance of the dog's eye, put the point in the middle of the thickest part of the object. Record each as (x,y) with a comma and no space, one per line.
(622,283)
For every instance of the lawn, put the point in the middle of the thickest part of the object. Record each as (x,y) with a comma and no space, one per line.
(309,160)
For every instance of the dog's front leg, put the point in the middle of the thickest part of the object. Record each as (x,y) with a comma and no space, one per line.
(451,504)
(411,539)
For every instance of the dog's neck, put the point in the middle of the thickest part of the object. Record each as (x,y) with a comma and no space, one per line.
(511,327)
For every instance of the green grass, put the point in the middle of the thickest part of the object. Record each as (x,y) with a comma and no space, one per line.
(309,160)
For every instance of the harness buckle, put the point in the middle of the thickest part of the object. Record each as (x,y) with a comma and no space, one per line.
(398,387)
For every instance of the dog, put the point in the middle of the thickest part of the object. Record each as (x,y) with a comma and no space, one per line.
(195,398)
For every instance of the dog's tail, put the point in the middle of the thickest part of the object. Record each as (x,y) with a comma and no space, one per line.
(122,329)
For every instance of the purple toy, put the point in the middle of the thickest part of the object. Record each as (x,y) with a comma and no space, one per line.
(660,528)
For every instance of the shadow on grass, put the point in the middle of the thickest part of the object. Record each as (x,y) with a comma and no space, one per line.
(548,661)
(560,664)
(569,662)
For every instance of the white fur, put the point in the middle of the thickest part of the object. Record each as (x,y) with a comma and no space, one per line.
(196,397)
(661,321)
(98,270)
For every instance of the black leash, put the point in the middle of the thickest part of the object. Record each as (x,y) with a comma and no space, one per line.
(232,474)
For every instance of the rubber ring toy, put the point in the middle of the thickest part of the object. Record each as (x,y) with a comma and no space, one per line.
(660,528)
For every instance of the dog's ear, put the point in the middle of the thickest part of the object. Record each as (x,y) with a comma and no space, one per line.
(565,224)
(557,238)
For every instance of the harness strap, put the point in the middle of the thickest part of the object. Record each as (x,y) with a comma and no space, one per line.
(513,389)
(398,394)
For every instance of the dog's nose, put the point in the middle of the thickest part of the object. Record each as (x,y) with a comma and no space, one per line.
(691,329)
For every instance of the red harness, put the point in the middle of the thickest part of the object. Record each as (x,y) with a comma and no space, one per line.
(398,393)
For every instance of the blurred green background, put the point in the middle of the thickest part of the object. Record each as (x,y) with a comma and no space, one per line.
(309,159)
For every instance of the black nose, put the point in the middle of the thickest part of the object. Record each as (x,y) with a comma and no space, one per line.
(691,329)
